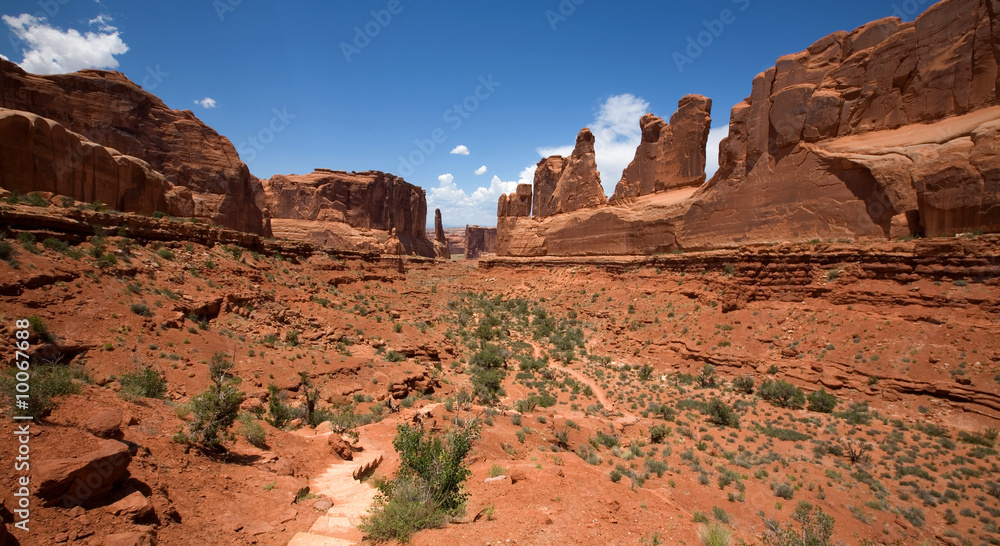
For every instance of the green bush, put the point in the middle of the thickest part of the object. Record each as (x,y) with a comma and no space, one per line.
(58,245)
(141,309)
(27,241)
(252,431)
(722,414)
(107,261)
(165,253)
(40,329)
(707,376)
(783,490)
(822,401)
(658,433)
(782,394)
(394,356)
(427,488)
(278,412)
(6,250)
(145,383)
(816,529)
(215,409)
(45,381)
(715,534)
(743,383)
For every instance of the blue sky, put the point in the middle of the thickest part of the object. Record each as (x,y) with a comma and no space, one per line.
(398,85)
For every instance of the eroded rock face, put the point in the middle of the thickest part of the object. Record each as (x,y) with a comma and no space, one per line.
(441,248)
(40,155)
(670,156)
(109,109)
(367,211)
(885,131)
(479,240)
(566,184)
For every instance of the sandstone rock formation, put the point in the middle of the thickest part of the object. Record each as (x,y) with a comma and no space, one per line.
(109,109)
(566,184)
(889,130)
(368,211)
(441,247)
(40,155)
(669,156)
(479,240)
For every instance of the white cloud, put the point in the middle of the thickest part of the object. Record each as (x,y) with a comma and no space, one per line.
(206,102)
(715,137)
(481,171)
(459,207)
(55,51)
(461,149)
(617,134)
(4,57)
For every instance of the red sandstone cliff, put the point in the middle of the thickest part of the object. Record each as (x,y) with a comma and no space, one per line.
(441,246)
(885,131)
(109,109)
(670,156)
(566,184)
(371,211)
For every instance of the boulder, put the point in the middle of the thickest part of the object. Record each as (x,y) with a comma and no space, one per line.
(341,447)
(105,423)
(74,480)
(134,507)
(145,537)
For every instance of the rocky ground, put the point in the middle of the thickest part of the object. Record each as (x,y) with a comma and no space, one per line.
(605,432)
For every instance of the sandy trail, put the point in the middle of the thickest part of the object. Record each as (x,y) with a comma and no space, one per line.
(351,500)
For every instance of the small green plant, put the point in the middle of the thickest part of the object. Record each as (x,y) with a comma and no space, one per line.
(822,401)
(45,382)
(722,414)
(497,471)
(782,394)
(141,309)
(166,254)
(6,251)
(252,431)
(278,412)
(145,383)
(215,409)
(715,534)
(743,383)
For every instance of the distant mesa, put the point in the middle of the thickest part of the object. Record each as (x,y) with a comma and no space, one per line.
(887,131)
(367,211)
(479,241)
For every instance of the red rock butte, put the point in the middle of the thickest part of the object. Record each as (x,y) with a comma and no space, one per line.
(886,131)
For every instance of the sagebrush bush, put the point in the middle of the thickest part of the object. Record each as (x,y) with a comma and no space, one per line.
(722,414)
(145,383)
(743,383)
(822,401)
(782,394)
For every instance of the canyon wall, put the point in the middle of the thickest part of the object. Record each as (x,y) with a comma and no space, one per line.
(109,109)
(886,131)
(366,211)
(479,241)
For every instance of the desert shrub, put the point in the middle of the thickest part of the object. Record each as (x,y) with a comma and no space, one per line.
(45,381)
(145,383)
(822,401)
(215,409)
(278,412)
(743,383)
(165,253)
(816,528)
(38,327)
(783,490)
(658,433)
(715,534)
(6,250)
(27,241)
(786,434)
(856,414)
(662,411)
(707,376)
(141,309)
(722,414)
(394,356)
(106,261)
(252,431)
(427,488)
(58,245)
(782,394)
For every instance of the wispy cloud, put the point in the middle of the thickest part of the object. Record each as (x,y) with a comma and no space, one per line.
(206,102)
(617,134)
(55,51)
(460,207)
(481,171)
(461,149)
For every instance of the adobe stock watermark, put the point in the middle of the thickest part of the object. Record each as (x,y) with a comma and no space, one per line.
(910,9)
(562,13)
(454,117)
(698,43)
(224,7)
(249,147)
(363,35)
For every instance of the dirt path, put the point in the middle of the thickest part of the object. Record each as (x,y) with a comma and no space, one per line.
(599,393)
(351,499)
